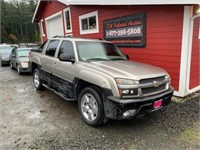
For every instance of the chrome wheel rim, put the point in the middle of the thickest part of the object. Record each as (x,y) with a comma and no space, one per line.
(36,79)
(89,107)
(18,70)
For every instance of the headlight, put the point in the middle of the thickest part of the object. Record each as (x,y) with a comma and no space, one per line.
(24,64)
(5,58)
(125,81)
(127,87)
(168,78)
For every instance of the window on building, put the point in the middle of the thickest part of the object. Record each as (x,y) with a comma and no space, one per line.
(51,48)
(67,19)
(66,48)
(42,27)
(89,23)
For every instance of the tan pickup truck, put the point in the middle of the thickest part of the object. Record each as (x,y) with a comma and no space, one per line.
(99,76)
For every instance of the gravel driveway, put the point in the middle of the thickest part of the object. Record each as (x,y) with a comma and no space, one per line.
(43,120)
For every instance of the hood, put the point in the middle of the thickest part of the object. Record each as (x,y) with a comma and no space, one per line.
(127,69)
(23,59)
(5,55)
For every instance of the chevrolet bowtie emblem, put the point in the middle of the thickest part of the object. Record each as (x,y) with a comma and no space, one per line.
(156,83)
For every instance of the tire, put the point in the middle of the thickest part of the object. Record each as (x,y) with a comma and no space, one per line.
(37,81)
(1,63)
(11,66)
(18,70)
(91,106)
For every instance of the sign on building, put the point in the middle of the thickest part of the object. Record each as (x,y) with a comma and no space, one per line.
(126,31)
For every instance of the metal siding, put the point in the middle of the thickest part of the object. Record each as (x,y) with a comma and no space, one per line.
(195,60)
(163,35)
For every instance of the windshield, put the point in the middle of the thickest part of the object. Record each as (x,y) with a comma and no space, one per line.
(98,51)
(23,53)
(5,50)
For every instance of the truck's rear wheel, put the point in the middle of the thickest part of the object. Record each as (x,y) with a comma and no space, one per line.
(91,106)
(36,80)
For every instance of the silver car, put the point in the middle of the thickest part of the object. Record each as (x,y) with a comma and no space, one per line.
(4,54)
(19,59)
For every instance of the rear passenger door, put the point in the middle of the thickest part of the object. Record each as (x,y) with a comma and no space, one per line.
(48,59)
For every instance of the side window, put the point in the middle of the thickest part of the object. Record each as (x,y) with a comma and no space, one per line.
(67,20)
(51,49)
(40,49)
(14,51)
(66,48)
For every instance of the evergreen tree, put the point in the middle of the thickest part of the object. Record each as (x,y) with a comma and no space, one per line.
(16,21)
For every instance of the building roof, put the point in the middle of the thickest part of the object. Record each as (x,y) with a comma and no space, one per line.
(118,2)
(128,2)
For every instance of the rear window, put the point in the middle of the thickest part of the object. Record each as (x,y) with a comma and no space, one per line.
(23,53)
(51,49)
(6,50)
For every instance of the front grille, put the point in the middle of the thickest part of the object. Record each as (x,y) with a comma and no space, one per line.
(150,80)
(153,90)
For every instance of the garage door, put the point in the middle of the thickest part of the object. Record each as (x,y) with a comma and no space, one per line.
(54,26)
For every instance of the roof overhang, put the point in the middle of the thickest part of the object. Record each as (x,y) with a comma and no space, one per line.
(131,2)
(117,2)
(40,5)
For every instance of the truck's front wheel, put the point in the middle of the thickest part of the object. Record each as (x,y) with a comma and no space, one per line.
(91,106)
(36,80)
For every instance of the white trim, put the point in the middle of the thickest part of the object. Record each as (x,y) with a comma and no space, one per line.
(89,31)
(190,53)
(185,51)
(33,19)
(54,15)
(129,2)
(38,4)
(64,11)
(42,27)
(68,34)
(64,2)
(176,93)
(120,2)
(194,89)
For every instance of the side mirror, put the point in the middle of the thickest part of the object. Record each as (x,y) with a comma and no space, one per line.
(67,58)
(127,57)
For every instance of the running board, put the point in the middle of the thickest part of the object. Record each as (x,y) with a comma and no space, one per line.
(58,93)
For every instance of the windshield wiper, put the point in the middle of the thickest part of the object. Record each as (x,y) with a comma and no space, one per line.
(22,56)
(118,58)
(97,59)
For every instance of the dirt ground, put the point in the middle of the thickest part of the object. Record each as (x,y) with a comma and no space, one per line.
(43,120)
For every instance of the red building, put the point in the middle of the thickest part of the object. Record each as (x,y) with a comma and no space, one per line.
(164,34)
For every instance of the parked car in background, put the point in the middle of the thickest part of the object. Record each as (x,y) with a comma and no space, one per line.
(19,59)
(4,54)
